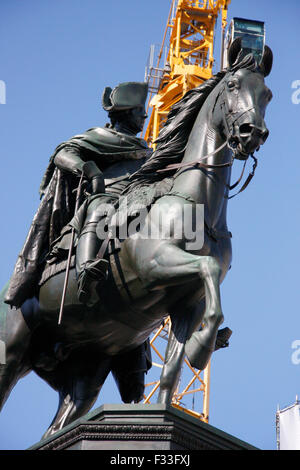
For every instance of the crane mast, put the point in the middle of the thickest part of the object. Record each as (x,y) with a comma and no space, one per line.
(186,61)
(182,64)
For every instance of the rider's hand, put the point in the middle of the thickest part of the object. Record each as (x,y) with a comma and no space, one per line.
(95,176)
(97,184)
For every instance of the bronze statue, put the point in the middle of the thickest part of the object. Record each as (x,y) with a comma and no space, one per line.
(211,127)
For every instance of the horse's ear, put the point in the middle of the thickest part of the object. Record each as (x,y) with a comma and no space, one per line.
(266,61)
(234,51)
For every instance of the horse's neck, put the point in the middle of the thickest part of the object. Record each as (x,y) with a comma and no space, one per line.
(206,186)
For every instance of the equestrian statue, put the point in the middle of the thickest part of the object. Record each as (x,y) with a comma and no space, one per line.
(118,289)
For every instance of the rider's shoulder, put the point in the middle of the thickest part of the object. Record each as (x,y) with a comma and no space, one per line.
(105,131)
(112,137)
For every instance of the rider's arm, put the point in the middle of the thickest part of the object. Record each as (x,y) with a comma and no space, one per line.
(69,159)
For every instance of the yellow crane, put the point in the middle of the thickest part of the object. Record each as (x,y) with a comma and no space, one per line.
(187,61)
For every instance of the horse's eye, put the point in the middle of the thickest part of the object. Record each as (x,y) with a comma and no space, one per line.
(231,84)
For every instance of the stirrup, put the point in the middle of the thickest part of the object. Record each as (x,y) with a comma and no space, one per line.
(93,274)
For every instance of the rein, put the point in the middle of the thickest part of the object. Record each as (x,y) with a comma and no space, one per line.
(198,163)
(249,178)
(175,166)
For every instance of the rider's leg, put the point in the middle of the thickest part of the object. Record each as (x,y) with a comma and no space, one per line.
(90,270)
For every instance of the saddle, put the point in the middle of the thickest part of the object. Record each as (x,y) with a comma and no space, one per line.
(125,206)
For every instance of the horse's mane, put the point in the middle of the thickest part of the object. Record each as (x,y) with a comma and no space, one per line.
(173,137)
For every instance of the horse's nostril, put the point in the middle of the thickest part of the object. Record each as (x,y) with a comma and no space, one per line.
(245,129)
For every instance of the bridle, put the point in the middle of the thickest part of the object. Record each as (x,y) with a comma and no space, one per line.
(229,116)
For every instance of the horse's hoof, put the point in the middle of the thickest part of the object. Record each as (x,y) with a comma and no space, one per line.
(197,353)
(223,338)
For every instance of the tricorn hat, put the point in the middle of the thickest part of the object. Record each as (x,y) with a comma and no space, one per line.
(126,95)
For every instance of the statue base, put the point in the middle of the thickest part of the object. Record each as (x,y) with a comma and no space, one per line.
(138,428)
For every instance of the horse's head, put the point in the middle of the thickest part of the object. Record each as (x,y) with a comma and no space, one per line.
(243,101)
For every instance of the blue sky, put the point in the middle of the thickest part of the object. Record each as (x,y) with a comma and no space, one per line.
(56,57)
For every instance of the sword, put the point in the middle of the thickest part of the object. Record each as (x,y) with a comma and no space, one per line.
(69,255)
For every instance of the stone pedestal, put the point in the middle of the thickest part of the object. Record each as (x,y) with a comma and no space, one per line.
(139,428)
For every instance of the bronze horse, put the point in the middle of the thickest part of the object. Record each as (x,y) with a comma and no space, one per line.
(219,121)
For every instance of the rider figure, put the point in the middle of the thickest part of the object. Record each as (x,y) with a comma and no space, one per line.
(89,154)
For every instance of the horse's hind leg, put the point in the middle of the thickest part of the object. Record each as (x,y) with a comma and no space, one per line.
(81,380)
(16,336)
(183,323)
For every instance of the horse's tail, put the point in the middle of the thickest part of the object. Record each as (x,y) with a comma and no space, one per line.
(3,315)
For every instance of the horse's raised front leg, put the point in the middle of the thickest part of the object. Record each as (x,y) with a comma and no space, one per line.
(201,345)
(170,265)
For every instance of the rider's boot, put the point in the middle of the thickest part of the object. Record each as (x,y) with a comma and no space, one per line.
(91,271)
